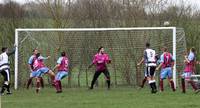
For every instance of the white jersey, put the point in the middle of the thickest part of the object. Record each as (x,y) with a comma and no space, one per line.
(150,57)
(4,63)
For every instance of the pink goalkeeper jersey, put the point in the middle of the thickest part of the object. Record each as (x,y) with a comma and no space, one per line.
(100,60)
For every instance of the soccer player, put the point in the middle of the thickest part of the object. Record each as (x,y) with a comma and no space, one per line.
(145,71)
(62,66)
(101,59)
(189,61)
(166,62)
(42,69)
(150,63)
(33,71)
(5,69)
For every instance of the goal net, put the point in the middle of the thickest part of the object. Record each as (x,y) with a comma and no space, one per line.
(196,79)
(124,45)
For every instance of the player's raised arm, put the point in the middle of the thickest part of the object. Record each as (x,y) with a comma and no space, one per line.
(9,53)
(59,61)
(43,58)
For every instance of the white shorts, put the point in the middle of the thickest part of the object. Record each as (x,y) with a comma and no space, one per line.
(186,75)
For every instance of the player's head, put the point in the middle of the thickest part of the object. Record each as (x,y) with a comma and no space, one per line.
(101,49)
(164,49)
(63,54)
(35,51)
(193,50)
(37,55)
(147,45)
(4,49)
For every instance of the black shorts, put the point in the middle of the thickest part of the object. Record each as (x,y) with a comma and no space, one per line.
(6,74)
(150,71)
(105,72)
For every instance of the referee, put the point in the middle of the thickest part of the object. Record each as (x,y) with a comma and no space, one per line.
(5,69)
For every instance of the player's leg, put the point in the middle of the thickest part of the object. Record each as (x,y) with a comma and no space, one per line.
(144,80)
(107,75)
(149,78)
(50,73)
(95,77)
(32,75)
(29,80)
(58,78)
(183,82)
(3,87)
(8,74)
(163,75)
(38,84)
(152,80)
(42,82)
(52,76)
(6,85)
(169,72)
(64,74)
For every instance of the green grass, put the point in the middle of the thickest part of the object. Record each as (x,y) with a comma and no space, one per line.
(100,98)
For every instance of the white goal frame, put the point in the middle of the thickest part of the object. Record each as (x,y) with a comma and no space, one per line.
(91,29)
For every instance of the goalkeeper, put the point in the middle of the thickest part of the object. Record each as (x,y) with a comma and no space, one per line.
(101,59)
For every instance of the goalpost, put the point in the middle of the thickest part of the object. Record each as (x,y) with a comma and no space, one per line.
(124,45)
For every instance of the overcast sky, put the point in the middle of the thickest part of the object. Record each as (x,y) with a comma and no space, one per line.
(193,2)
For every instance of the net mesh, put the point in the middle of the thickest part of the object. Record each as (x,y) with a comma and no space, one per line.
(196,79)
(125,48)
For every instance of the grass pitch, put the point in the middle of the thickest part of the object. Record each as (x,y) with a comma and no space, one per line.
(100,98)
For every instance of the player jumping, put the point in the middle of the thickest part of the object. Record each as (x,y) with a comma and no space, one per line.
(150,63)
(189,70)
(100,60)
(62,66)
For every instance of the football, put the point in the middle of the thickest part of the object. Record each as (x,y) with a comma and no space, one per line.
(166,23)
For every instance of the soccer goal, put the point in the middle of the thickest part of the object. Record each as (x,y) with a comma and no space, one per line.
(124,45)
